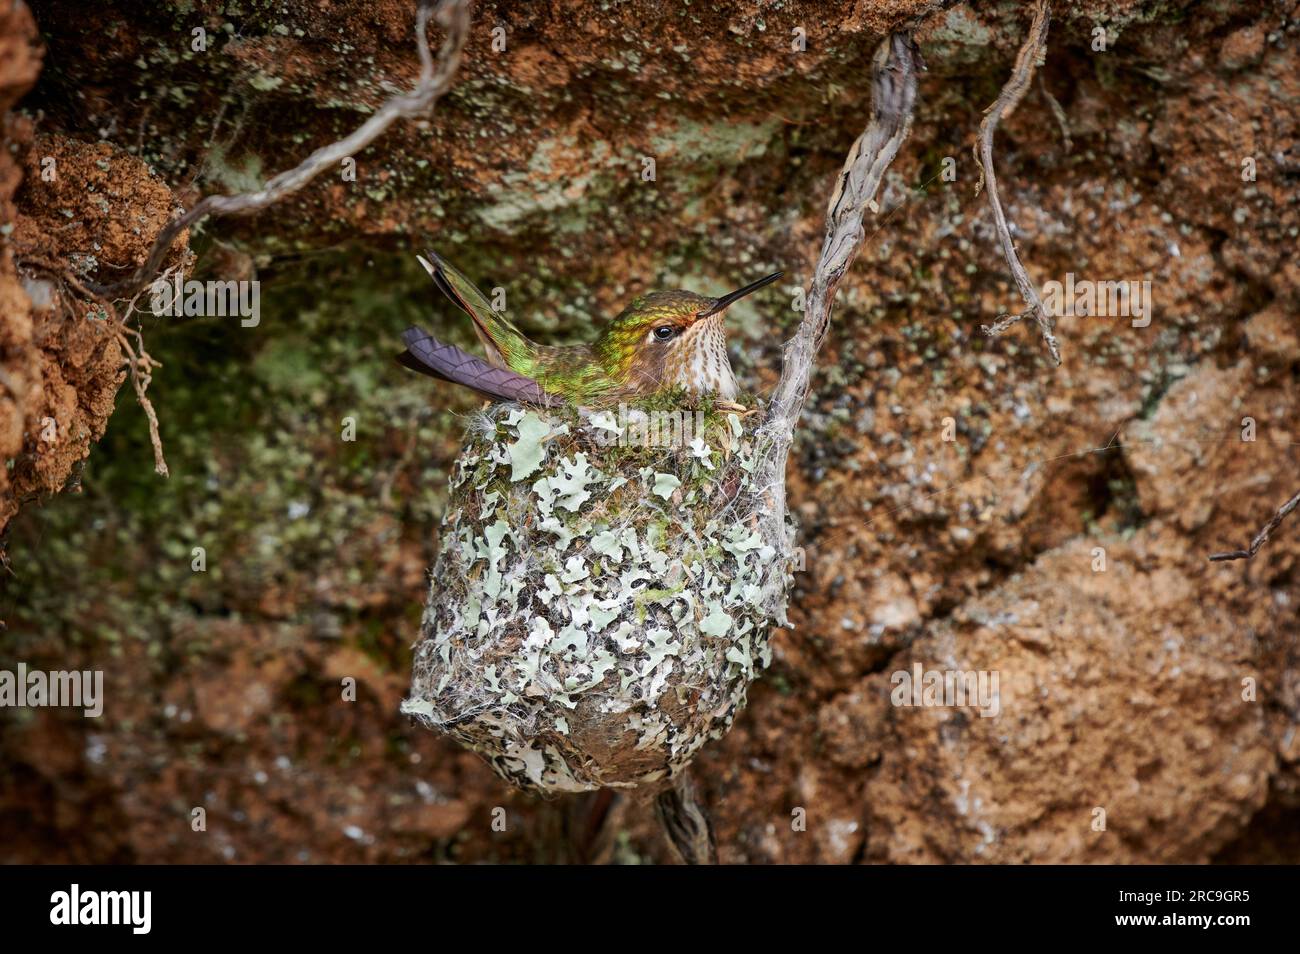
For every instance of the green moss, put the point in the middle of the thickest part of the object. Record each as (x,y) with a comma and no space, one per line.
(261,477)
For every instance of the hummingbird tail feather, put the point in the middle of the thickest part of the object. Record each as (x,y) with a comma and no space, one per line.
(428,355)
(500,338)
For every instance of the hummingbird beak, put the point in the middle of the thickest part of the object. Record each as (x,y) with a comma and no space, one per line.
(726,301)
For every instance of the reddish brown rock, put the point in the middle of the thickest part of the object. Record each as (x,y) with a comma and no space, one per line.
(1121,689)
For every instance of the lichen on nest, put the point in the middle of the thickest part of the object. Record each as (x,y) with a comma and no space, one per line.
(602,595)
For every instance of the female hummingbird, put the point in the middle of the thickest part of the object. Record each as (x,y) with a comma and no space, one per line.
(661,340)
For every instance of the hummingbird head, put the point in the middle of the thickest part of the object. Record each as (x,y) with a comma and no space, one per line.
(674,338)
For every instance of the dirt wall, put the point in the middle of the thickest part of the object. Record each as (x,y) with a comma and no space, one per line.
(1160,690)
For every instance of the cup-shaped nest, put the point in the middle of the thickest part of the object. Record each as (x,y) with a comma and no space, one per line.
(603,592)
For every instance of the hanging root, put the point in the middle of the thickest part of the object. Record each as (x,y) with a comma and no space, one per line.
(435,78)
(138,361)
(141,365)
(1004,105)
(893,98)
(686,823)
(1261,538)
(1026,63)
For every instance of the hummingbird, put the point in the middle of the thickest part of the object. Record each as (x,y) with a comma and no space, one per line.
(661,340)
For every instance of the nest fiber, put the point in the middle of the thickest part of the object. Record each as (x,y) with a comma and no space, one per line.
(602,595)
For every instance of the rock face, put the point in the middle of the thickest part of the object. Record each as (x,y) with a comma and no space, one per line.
(1072,648)
(77,209)
(19,65)
(964,506)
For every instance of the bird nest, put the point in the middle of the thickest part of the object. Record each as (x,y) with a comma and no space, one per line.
(603,592)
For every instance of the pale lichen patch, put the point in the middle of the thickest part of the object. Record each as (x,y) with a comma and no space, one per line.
(597,611)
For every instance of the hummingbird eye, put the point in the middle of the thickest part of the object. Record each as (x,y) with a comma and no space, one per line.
(664,332)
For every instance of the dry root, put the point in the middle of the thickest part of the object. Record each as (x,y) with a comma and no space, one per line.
(1004,105)
(435,79)
(686,823)
(1260,538)
(139,362)
(893,99)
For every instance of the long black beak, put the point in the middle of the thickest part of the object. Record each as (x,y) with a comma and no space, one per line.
(726,301)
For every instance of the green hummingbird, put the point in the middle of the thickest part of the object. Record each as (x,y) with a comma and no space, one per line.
(661,340)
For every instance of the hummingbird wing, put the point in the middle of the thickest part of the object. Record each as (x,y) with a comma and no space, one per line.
(428,355)
(505,344)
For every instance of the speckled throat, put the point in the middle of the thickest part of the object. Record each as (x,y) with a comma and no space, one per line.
(698,360)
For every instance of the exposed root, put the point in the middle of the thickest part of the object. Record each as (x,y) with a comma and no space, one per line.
(893,98)
(686,823)
(138,361)
(141,365)
(435,79)
(1012,93)
(1261,538)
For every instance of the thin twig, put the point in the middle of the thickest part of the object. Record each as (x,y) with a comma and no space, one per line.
(1003,106)
(1261,538)
(435,78)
